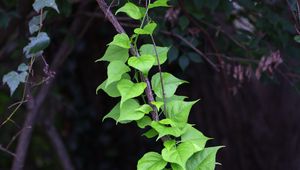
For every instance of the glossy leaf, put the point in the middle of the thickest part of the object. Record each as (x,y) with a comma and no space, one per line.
(170,84)
(205,159)
(131,10)
(147,30)
(143,63)
(151,161)
(121,40)
(40,4)
(148,49)
(114,53)
(129,90)
(115,70)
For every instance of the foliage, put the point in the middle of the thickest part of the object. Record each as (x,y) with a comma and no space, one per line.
(34,48)
(182,142)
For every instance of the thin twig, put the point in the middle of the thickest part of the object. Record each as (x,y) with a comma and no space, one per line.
(7,151)
(194,48)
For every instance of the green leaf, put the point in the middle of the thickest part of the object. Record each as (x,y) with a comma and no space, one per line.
(170,84)
(129,90)
(34,23)
(111,90)
(145,108)
(195,137)
(205,159)
(150,133)
(121,40)
(157,104)
(147,30)
(178,111)
(13,79)
(179,154)
(148,49)
(174,97)
(169,144)
(40,4)
(132,10)
(37,45)
(114,113)
(164,130)
(145,121)
(128,112)
(297,38)
(114,53)
(151,161)
(115,70)
(143,63)
(159,3)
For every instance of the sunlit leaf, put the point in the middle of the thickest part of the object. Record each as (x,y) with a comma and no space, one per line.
(142,63)
(121,40)
(170,84)
(151,161)
(114,53)
(148,49)
(131,10)
(129,90)
(115,70)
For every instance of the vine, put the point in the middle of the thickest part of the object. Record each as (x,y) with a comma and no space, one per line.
(184,146)
(34,49)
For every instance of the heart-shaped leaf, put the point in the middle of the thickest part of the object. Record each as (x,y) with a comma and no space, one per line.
(115,70)
(114,53)
(142,63)
(121,40)
(151,161)
(170,84)
(132,10)
(147,30)
(129,90)
(179,154)
(148,49)
(205,159)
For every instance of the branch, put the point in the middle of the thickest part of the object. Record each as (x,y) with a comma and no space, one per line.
(194,48)
(30,121)
(103,6)
(7,151)
(58,145)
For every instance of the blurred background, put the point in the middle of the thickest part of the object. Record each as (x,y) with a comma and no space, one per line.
(249,90)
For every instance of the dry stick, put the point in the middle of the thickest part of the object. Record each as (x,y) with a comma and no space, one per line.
(58,145)
(103,6)
(194,48)
(25,137)
(7,151)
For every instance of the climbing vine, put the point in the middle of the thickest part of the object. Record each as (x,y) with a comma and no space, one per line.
(165,114)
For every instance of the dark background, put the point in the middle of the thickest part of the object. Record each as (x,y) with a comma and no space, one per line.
(256,118)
